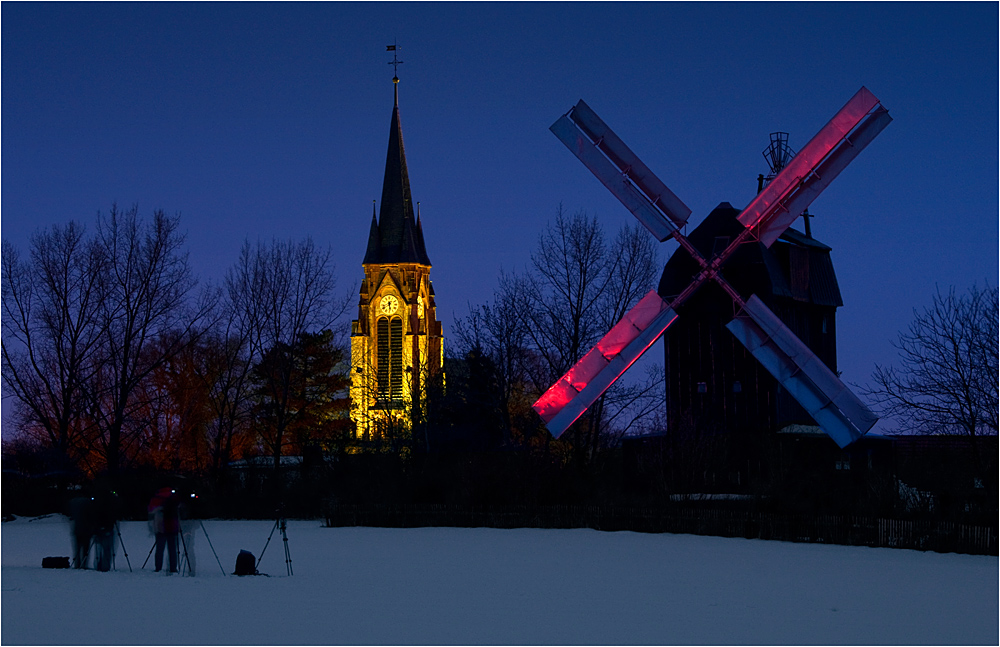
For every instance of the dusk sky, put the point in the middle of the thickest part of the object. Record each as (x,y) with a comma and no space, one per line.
(271,120)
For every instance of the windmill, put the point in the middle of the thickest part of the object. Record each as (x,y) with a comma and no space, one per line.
(797,182)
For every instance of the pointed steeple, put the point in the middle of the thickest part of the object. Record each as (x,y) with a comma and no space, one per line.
(396,228)
(374,246)
(421,250)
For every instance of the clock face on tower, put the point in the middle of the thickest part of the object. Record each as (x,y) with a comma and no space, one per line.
(388,305)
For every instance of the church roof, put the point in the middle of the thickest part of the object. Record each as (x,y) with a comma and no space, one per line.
(396,237)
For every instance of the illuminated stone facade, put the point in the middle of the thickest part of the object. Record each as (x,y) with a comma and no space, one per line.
(396,341)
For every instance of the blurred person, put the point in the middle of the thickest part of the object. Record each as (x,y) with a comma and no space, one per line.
(188,520)
(164,523)
(104,516)
(81,529)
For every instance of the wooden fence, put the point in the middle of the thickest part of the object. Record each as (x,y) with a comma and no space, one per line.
(850,530)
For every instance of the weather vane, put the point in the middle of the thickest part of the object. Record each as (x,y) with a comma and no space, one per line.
(395,62)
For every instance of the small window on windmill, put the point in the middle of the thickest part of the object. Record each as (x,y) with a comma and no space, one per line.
(737,387)
(720,245)
(702,387)
(824,323)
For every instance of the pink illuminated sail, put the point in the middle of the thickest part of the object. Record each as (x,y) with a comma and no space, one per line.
(769,203)
(574,392)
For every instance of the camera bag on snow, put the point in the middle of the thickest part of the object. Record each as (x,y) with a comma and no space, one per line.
(55,562)
(246,563)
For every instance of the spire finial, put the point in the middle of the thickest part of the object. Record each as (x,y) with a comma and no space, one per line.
(395,62)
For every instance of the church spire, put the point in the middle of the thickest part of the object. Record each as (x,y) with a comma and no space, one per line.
(397,347)
(396,229)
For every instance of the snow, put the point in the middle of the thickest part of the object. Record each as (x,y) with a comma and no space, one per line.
(486,586)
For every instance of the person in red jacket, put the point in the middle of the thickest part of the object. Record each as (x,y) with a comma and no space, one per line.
(165,524)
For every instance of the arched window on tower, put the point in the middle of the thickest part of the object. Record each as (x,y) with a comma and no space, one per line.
(396,357)
(389,345)
(382,359)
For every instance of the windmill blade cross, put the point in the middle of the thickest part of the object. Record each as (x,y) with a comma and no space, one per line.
(838,411)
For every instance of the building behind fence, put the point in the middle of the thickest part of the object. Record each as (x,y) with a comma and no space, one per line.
(850,530)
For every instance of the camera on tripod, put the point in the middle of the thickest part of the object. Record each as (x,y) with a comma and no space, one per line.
(282,525)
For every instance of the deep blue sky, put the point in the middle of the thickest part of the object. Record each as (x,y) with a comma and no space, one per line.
(263,120)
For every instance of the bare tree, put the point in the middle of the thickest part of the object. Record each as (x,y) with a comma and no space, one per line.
(496,331)
(562,298)
(544,320)
(224,370)
(147,318)
(176,412)
(279,292)
(632,273)
(51,331)
(946,379)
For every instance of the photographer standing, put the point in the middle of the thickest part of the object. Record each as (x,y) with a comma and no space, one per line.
(104,515)
(164,523)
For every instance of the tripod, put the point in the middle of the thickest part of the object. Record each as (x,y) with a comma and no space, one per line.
(187,558)
(122,541)
(212,547)
(278,524)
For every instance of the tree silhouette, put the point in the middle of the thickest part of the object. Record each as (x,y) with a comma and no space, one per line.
(279,292)
(301,395)
(946,378)
(52,331)
(145,301)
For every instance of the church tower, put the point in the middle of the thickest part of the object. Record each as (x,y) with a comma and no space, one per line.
(396,341)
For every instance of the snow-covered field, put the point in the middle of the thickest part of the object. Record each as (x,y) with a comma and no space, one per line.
(485,586)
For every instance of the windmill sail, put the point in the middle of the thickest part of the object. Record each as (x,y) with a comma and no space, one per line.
(621,171)
(800,199)
(771,203)
(836,409)
(574,392)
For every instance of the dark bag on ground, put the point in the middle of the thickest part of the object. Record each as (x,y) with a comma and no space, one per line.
(246,563)
(55,562)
